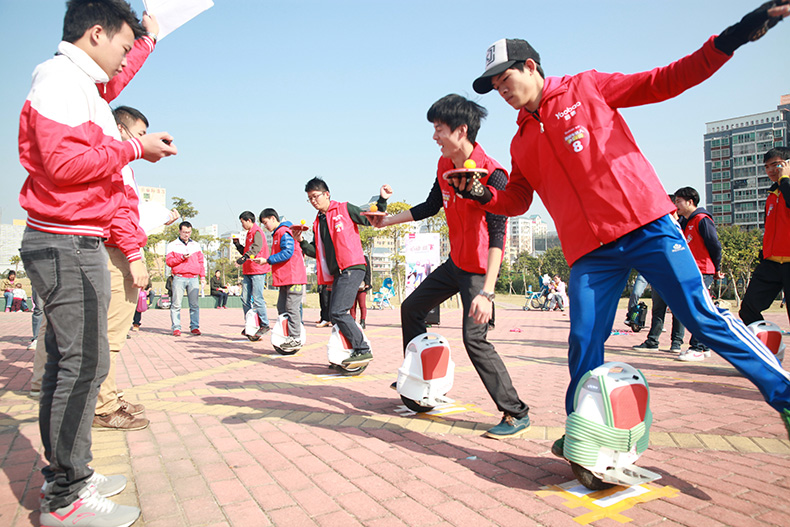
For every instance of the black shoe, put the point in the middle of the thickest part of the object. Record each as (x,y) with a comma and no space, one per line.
(645,346)
(262,331)
(558,447)
(362,323)
(358,356)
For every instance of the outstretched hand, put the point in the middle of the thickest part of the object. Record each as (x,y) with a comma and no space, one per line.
(385,192)
(752,26)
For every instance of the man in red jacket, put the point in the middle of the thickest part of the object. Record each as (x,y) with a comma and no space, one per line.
(185,259)
(477,239)
(611,211)
(773,272)
(253,272)
(703,240)
(70,147)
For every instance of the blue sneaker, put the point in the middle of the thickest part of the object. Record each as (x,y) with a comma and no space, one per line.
(509,427)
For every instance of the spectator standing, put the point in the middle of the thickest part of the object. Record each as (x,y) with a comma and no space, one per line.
(703,240)
(71,150)
(185,259)
(773,272)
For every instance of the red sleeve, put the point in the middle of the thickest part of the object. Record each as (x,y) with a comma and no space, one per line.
(516,197)
(125,229)
(659,84)
(71,155)
(134,61)
(172,259)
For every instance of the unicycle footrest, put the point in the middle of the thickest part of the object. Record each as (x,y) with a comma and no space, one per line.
(628,476)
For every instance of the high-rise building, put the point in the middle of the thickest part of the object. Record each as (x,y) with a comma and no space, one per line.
(735,181)
(525,234)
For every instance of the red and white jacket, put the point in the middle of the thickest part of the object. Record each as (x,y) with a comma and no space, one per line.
(70,145)
(578,154)
(189,267)
(466,219)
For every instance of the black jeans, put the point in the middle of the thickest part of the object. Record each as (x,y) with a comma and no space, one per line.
(657,323)
(445,281)
(768,279)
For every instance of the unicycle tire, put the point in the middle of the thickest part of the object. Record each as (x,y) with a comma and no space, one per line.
(414,406)
(348,372)
(285,352)
(588,479)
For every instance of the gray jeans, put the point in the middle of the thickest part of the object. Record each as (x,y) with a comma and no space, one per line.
(344,293)
(290,301)
(70,275)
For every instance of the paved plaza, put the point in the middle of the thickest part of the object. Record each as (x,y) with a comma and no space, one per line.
(242,436)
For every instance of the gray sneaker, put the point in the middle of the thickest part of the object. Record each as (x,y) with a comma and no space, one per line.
(106,485)
(290,344)
(90,510)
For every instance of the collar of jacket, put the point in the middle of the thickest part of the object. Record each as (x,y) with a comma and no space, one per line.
(83,61)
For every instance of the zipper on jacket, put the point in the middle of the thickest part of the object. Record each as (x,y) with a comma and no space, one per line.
(536,115)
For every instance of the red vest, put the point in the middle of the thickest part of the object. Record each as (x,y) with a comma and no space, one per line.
(466,219)
(697,244)
(292,270)
(250,267)
(345,237)
(776,239)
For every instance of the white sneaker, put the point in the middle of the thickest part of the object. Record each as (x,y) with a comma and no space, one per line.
(91,510)
(706,353)
(32,345)
(106,485)
(691,355)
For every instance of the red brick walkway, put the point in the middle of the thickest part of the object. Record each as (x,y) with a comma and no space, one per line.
(242,436)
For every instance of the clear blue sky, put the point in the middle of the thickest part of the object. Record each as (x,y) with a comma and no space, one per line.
(262,95)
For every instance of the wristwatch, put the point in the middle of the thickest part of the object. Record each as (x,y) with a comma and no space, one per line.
(486,294)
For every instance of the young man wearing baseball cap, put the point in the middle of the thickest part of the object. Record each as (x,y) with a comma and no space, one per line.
(612,213)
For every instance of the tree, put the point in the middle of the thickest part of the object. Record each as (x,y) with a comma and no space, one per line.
(529,268)
(396,232)
(553,262)
(740,250)
(15,261)
(184,208)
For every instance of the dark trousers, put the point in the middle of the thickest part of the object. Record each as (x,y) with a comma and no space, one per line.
(657,323)
(344,293)
(324,294)
(767,280)
(222,298)
(137,318)
(445,281)
(70,275)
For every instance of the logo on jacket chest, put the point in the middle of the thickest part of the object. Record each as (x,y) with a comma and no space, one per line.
(568,112)
(337,223)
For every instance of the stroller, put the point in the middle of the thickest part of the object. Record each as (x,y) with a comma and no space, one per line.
(381,298)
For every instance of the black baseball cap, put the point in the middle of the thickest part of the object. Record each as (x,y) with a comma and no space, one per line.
(500,56)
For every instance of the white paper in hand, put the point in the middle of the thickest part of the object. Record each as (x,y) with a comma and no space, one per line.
(152,215)
(172,14)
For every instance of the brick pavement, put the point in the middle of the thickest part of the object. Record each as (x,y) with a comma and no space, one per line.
(242,436)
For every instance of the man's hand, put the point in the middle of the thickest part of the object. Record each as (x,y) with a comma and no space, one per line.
(261,260)
(481,309)
(752,26)
(378,221)
(464,187)
(157,145)
(139,273)
(174,215)
(150,23)
(385,192)
(297,236)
